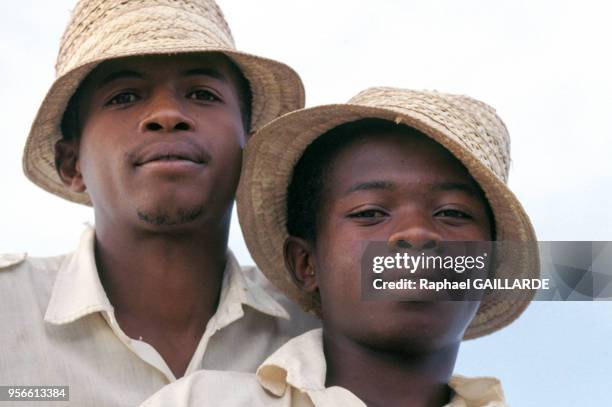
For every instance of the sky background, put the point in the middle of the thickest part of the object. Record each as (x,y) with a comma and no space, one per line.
(544,65)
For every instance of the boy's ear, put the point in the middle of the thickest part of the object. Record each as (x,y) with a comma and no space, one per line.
(299,260)
(68,166)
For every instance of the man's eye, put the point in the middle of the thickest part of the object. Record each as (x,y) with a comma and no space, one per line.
(368,214)
(123,98)
(203,94)
(453,213)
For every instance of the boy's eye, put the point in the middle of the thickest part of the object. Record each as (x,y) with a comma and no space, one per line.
(122,98)
(368,214)
(453,213)
(203,94)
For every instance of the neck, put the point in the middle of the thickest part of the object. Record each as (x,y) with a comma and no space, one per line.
(389,378)
(164,286)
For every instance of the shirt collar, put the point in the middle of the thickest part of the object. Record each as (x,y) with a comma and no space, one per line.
(244,286)
(78,291)
(300,363)
(476,392)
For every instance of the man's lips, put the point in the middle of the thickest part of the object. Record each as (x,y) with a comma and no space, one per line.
(174,151)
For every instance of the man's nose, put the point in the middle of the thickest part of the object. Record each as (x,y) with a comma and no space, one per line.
(166,114)
(414,231)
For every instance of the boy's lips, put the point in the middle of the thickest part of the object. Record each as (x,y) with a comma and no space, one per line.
(168,152)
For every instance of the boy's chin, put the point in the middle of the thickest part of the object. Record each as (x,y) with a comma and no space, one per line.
(414,326)
(412,341)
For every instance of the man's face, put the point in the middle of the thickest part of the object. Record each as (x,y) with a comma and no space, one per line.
(393,187)
(161,139)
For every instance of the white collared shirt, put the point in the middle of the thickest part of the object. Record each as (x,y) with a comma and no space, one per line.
(294,376)
(59,328)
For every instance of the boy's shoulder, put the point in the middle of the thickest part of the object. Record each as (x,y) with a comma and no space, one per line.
(289,377)
(214,387)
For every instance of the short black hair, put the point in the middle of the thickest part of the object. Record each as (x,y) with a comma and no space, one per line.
(305,191)
(70,125)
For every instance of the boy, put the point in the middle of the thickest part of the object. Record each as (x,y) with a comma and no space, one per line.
(146,122)
(413,169)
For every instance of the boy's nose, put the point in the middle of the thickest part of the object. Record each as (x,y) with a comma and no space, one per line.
(166,114)
(414,232)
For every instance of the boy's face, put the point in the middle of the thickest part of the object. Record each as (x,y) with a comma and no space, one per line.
(393,187)
(161,139)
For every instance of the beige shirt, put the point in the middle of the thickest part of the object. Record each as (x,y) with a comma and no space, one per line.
(294,376)
(59,328)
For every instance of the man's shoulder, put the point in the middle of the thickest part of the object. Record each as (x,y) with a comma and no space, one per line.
(257,279)
(20,273)
(299,320)
(8,260)
(21,262)
(26,284)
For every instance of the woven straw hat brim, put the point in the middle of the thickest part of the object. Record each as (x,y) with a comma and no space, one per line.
(269,161)
(276,89)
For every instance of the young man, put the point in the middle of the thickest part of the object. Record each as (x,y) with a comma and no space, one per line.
(410,169)
(146,122)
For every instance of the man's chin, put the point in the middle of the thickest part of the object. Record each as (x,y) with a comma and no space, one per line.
(170,217)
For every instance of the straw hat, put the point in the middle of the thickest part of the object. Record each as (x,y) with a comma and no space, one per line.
(469,129)
(106,29)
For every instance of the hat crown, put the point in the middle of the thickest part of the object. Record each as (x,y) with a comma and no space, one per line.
(99,29)
(472,123)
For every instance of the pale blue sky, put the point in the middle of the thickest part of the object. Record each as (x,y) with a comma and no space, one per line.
(543,64)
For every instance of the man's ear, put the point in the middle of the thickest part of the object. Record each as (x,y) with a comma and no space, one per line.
(299,260)
(68,166)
